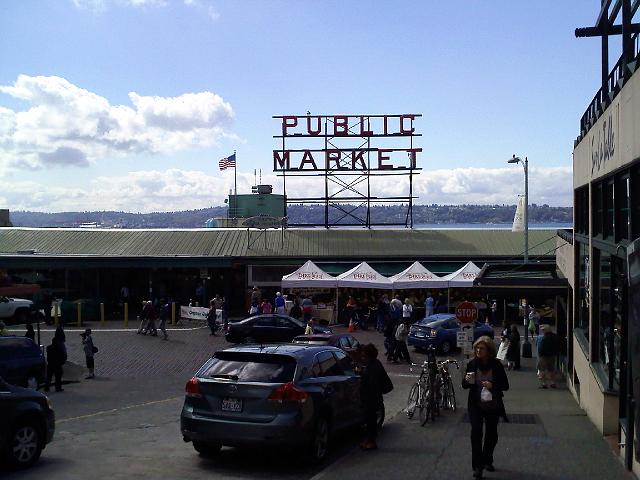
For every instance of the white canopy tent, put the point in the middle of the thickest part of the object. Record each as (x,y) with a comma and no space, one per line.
(309,275)
(417,276)
(462,277)
(363,276)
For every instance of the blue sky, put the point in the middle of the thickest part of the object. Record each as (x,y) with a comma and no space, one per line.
(491,78)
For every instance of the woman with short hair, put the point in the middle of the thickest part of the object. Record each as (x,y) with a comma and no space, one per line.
(486,381)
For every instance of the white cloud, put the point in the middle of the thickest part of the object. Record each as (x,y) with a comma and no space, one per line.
(176,189)
(68,125)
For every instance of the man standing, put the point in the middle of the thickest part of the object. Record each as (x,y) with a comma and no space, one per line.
(256,296)
(89,352)
(56,358)
(164,315)
(548,350)
(428,305)
(279,302)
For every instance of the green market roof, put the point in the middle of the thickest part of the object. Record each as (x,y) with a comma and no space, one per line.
(226,245)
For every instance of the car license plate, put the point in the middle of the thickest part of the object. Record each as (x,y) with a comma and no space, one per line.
(231,404)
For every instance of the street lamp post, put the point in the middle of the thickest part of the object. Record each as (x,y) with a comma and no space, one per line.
(525,165)
(526,346)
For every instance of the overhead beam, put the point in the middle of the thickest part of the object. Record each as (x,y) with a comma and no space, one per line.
(612,30)
(604,12)
(615,11)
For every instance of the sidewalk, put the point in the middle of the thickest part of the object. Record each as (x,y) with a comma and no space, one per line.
(549,438)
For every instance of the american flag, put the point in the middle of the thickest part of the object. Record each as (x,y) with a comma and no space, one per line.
(227,162)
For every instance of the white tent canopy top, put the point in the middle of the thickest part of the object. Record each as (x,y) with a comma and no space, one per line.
(363,276)
(462,277)
(307,276)
(417,276)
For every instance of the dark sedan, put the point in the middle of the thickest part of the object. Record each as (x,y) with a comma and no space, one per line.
(284,396)
(21,362)
(440,330)
(268,328)
(344,341)
(27,425)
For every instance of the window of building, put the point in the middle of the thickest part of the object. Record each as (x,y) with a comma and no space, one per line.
(582,299)
(623,213)
(602,304)
(610,317)
(609,208)
(581,210)
(634,190)
(596,208)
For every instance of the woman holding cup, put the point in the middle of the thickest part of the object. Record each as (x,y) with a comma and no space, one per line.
(485,379)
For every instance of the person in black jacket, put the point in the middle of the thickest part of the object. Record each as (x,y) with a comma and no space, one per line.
(374,383)
(485,379)
(513,352)
(56,358)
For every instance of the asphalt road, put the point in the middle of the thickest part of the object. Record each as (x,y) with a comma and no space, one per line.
(125,424)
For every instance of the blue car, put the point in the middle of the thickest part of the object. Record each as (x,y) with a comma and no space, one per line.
(440,331)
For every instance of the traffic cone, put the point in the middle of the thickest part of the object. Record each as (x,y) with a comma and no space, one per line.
(351,328)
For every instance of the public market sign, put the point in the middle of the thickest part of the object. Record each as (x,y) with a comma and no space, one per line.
(345,143)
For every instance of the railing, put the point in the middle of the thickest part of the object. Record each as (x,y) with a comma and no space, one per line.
(603,98)
(566,234)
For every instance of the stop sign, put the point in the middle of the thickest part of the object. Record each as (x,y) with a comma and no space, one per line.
(467,312)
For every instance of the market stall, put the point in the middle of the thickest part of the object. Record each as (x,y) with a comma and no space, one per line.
(461,278)
(363,276)
(311,281)
(417,276)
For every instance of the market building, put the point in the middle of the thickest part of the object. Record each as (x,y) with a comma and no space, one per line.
(604,351)
(193,265)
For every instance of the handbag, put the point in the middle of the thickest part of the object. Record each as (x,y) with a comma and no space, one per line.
(94,349)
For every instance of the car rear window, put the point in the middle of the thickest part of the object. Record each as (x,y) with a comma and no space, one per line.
(251,367)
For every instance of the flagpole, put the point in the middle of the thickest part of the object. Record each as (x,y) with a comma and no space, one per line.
(235,176)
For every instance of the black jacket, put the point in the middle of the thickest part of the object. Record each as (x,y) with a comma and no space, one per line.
(372,383)
(500,383)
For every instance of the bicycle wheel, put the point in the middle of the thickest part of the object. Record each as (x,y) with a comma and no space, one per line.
(451,396)
(426,410)
(413,399)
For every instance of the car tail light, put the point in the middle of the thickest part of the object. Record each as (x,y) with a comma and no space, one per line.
(289,393)
(192,389)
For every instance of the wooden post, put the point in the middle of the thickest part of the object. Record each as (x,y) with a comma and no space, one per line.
(126,314)
(102,314)
(173,313)
(79,313)
(55,315)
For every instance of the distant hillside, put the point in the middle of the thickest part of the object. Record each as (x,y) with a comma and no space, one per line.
(434,214)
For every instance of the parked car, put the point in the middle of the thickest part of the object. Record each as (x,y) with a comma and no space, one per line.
(27,425)
(21,362)
(440,330)
(344,341)
(17,310)
(268,328)
(294,396)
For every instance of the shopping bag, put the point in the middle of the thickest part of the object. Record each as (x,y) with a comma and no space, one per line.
(502,351)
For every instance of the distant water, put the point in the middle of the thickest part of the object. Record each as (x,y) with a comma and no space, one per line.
(490,226)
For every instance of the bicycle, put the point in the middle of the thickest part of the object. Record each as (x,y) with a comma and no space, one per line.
(447,391)
(429,405)
(415,398)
